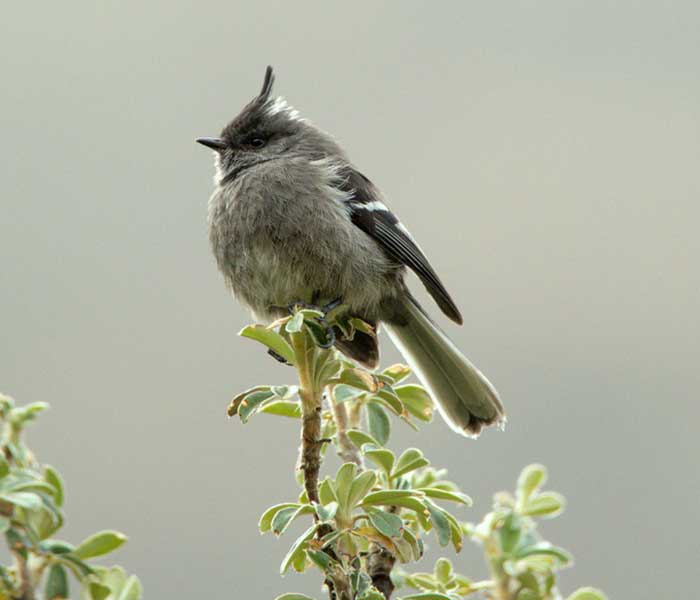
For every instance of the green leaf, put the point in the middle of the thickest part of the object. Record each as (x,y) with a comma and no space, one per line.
(360,582)
(382,457)
(343,393)
(98,544)
(295,324)
(546,549)
(441,494)
(378,423)
(358,379)
(587,593)
(529,580)
(293,597)
(530,480)
(52,477)
(410,460)
(417,401)
(283,408)
(343,482)
(56,583)
(388,497)
(320,559)
(329,369)
(404,550)
(318,332)
(326,512)
(79,568)
(283,518)
(443,570)
(286,516)
(252,402)
(285,392)
(132,589)
(440,522)
(359,438)
(96,590)
(546,504)
(57,546)
(397,372)
(423,581)
(297,547)
(235,404)
(28,500)
(326,492)
(362,484)
(509,533)
(415,543)
(363,326)
(455,533)
(33,485)
(271,339)
(386,523)
(4,466)
(388,398)
(265,522)
(28,412)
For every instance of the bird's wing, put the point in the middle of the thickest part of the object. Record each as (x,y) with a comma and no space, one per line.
(370,214)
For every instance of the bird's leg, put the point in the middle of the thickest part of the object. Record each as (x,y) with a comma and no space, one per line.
(332,305)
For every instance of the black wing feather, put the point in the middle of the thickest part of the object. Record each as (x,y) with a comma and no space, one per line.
(370,214)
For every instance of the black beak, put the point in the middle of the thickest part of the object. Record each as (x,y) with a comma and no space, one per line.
(213,143)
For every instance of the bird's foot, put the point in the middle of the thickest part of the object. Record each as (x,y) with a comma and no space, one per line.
(322,308)
(326,339)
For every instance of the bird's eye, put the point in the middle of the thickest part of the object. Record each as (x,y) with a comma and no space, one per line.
(257,142)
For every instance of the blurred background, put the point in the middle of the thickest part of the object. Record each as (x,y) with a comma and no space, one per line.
(545,156)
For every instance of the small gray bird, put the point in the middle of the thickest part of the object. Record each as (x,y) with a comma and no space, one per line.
(292,220)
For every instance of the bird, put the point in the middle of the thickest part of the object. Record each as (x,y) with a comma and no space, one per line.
(291,219)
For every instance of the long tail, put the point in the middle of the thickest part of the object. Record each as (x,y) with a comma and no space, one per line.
(465,398)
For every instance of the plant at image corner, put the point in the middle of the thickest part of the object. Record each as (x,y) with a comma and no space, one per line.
(31,514)
(367,521)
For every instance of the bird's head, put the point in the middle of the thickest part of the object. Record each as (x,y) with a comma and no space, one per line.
(267,128)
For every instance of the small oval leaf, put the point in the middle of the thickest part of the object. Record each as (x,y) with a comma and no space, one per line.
(378,422)
(265,522)
(271,339)
(99,543)
(587,593)
(548,504)
(386,523)
(56,583)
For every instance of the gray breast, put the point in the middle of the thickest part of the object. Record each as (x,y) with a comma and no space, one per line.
(281,232)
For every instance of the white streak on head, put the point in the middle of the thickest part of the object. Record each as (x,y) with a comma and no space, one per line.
(280,105)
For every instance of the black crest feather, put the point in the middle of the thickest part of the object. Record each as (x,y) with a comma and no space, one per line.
(267,85)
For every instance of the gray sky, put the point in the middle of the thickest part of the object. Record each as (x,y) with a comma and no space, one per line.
(545,156)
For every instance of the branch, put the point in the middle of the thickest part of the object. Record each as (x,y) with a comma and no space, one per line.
(25,590)
(380,563)
(311,444)
(347,451)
